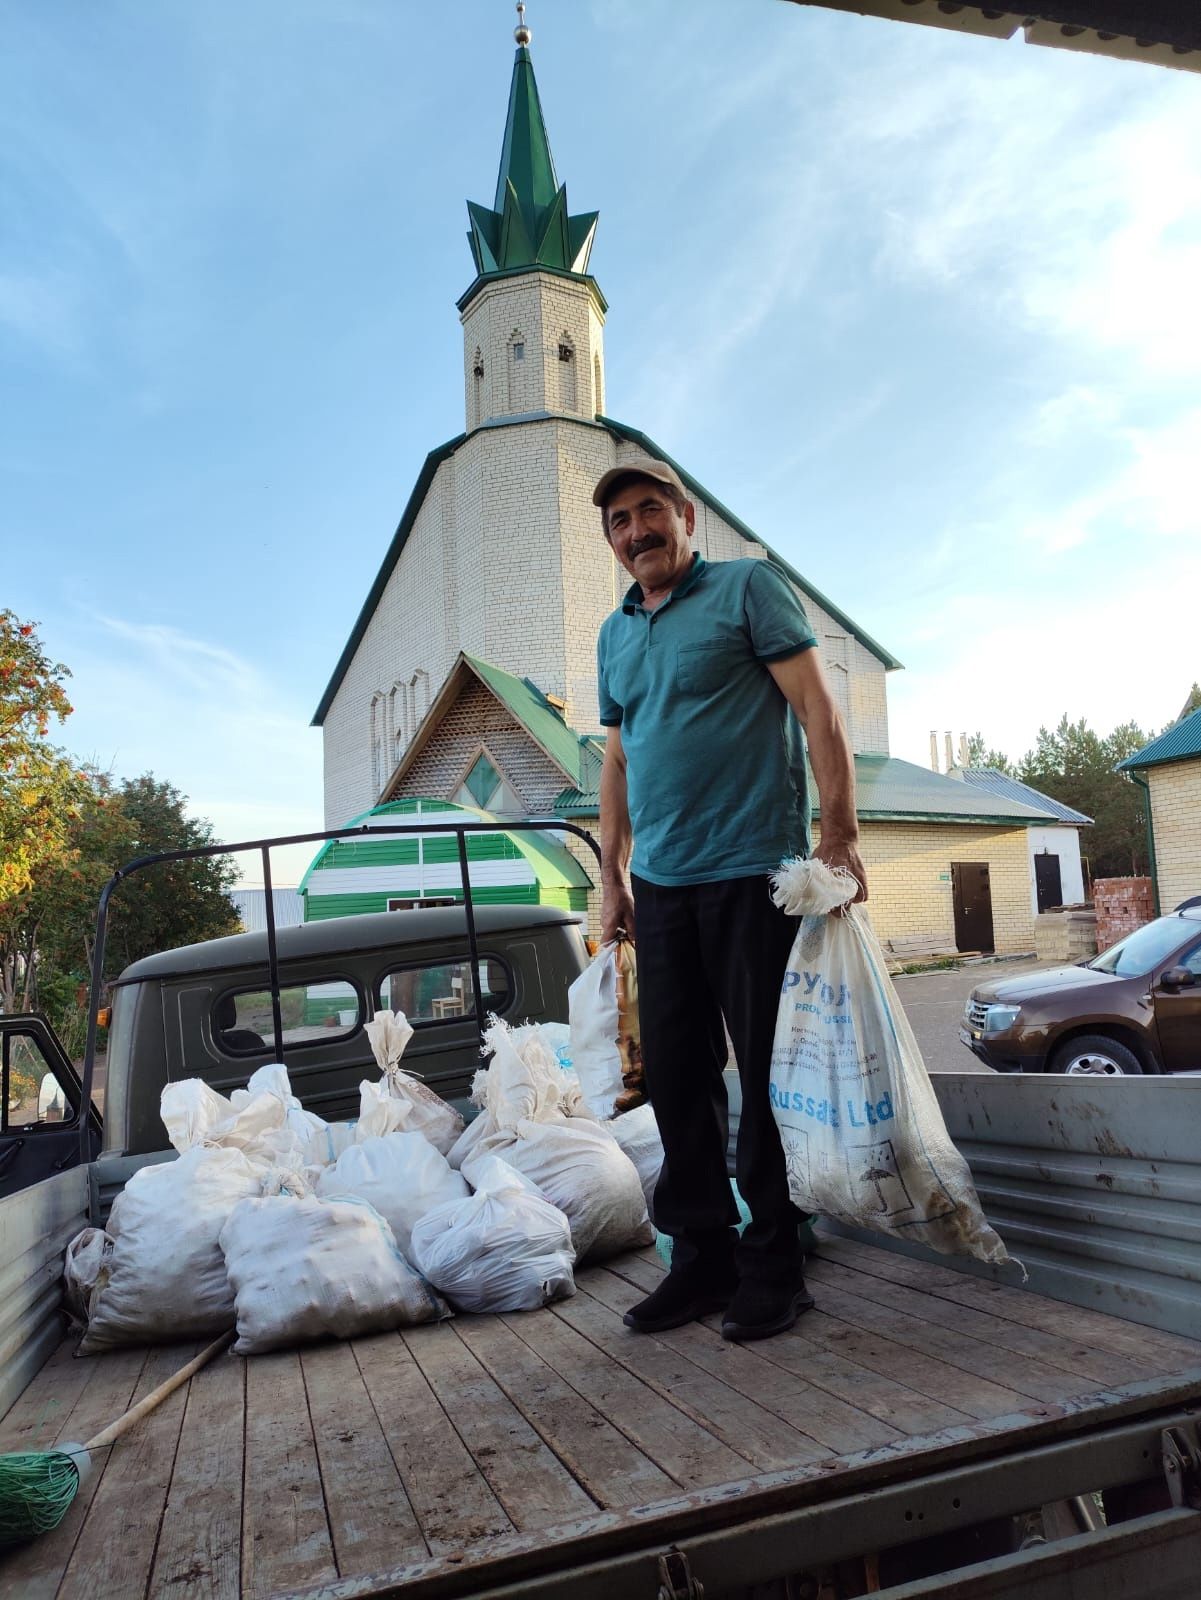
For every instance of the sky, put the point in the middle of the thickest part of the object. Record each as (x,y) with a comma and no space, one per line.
(920,307)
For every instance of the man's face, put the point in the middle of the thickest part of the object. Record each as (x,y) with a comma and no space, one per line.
(651,537)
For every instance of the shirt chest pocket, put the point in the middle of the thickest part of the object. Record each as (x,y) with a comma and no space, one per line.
(702,668)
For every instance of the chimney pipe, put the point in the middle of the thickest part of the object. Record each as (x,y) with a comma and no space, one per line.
(963,757)
(934,750)
(950,754)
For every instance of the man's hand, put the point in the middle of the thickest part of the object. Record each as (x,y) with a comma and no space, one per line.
(843,853)
(617,913)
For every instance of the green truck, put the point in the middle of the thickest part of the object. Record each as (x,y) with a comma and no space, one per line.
(932,1428)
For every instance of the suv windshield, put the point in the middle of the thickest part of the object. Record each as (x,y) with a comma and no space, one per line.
(1143,949)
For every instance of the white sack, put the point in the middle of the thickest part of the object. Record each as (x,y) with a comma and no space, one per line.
(402,1175)
(273,1079)
(592,1008)
(580,1168)
(85,1270)
(304,1269)
(502,1249)
(862,1131)
(166,1276)
(400,1102)
(324,1148)
(637,1133)
(195,1115)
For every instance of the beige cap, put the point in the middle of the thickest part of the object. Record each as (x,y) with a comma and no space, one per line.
(638,467)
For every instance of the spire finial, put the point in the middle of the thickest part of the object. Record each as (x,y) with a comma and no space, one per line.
(521,33)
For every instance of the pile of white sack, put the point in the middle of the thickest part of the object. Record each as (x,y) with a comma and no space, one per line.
(294,1229)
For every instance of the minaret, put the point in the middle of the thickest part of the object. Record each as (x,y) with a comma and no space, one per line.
(533,319)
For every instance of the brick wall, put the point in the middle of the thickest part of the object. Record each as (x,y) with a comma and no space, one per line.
(1176,817)
(1122,905)
(909,880)
(540,312)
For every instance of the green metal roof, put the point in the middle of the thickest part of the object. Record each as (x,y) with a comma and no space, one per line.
(553,865)
(888,790)
(542,721)
(1180,743)
(619,430)
(528,225)
(650,448)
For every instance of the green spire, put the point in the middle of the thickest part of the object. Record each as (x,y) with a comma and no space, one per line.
(528,225)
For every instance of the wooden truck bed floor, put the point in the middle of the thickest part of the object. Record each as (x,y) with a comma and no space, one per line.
(446,1450)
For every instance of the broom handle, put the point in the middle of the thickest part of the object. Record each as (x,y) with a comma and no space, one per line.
(123,1423)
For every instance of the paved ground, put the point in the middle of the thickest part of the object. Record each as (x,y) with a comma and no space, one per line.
(934,1003)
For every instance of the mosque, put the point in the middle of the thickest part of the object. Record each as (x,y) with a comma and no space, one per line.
(469,677)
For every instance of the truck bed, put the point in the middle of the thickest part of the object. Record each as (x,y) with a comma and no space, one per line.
(474,1455)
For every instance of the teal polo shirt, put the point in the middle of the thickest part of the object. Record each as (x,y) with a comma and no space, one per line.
(715,758)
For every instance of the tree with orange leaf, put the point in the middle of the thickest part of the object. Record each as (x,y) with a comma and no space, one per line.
(40,786)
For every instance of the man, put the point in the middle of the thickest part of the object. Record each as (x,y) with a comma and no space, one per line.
(705,671)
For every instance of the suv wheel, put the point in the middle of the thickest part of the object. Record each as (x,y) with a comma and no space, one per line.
(1094,1056)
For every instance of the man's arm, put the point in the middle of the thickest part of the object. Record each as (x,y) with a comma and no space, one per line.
(617,901)
(802,682)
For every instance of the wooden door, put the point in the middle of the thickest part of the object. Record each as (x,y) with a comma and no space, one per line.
(972,895)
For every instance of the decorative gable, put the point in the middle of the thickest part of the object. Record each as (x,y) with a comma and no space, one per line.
(478,728)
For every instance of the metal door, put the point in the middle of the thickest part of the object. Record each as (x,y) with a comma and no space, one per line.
(1048,885)
(972,895)
(40,1100)
(1178,1015)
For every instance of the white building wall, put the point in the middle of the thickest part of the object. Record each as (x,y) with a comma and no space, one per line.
(1062,841)
(542,311)
(409,645)
(507,560)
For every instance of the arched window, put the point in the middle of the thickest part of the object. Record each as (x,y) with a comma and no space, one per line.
(399,728)
(519,383)
(377,734)
(568,383)
(598,385)
(477,388)
(419,698)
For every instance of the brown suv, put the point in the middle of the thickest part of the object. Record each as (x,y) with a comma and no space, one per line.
(1136,1008)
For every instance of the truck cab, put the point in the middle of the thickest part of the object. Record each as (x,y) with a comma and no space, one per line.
(205,1011)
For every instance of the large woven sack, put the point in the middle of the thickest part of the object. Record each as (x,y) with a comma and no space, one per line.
(304,1269)
(864,1139)
(402,1175)
(504,1248)
(165,1277)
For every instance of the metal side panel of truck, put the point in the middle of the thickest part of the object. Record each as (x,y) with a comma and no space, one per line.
(891,1444)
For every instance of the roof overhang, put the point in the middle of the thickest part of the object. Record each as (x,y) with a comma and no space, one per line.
(1164,32)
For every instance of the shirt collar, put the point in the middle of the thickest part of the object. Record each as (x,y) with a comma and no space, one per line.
(632,599)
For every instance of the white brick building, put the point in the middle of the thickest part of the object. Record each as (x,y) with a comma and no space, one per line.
(500,557)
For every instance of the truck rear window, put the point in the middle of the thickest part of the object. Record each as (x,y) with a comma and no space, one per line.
(311,1013)
(441,992)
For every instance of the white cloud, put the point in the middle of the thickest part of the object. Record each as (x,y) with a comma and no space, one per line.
(150,697)
(1125,652)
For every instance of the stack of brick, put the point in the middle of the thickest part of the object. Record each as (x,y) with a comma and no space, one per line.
(1122,905)
(1067,936)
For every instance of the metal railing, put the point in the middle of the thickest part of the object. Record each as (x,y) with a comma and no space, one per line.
(265,847)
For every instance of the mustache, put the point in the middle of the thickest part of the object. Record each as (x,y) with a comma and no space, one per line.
(652,541)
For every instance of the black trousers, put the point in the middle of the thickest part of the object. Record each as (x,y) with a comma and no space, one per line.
(705,950)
